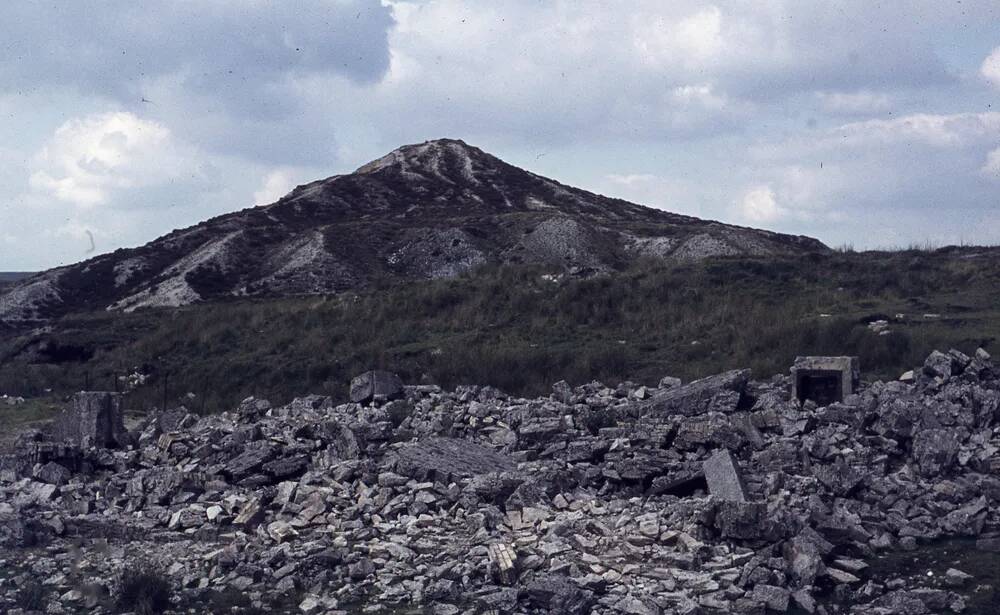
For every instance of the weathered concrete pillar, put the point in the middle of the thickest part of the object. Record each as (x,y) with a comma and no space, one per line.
(93,418)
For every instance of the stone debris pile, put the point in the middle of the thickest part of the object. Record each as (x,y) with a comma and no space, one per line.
(724,495)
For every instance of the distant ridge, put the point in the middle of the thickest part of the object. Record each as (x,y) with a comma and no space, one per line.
(7,277)
(430,210)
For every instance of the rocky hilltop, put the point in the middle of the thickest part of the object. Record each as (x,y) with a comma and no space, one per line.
(723,495)
(423,211)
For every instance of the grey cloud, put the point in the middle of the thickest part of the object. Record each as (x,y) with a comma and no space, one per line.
(217,71)
(108,49)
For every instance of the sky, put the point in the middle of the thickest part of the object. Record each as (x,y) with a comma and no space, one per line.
(866,124)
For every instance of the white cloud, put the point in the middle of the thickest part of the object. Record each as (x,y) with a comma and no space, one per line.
(793,194)
(88,159)
(690,41)
(860,102)
(277,183)
(990,69)
(992,166)
(703,95)
(631,179)
(759,204)
(933,131)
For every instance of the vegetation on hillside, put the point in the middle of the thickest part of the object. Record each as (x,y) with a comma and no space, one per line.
(521,329)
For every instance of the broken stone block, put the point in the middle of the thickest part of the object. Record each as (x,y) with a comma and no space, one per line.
(712,429)
(939,365)
(841,577)
(935,450)
(696,397)
(281,531)
(956,578)
(804,600)
(749,521)
(558,595)
(724,478)
(839,477)
(504,561)
(53,473)
(376,385)
(251,514)
(773,597)
(824,380)
(361,569)
(445,459)
(93,418)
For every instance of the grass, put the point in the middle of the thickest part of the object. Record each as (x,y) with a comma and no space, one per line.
(516,329)
(143,589)
(14,418)
(982,593)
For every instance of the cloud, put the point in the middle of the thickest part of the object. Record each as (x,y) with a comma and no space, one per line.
(631,179)
(792,113)
(219,45)
(88,159)
(220,73)
(992,166)
(277,183)
(925,131)
(692,40)
(990,69)
(759,205)
(854,103)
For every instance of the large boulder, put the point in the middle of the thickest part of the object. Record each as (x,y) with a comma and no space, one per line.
(376,385)
(697,397)
(447,459)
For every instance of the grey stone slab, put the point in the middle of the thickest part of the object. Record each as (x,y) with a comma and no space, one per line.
(696,397)
(725,481)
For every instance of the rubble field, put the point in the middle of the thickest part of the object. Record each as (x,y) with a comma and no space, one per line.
(722,495)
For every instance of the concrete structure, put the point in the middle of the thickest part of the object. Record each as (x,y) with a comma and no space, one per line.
(724,478)
(93,418)
(824,380)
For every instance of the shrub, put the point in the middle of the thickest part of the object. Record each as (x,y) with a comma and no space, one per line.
(143,588)
(32,596)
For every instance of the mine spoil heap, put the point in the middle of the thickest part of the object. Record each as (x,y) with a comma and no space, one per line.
(591,500)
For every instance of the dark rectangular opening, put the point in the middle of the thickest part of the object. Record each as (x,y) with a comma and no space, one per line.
(823,387)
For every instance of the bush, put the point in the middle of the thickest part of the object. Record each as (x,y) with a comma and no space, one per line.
(32,596)
(144,589)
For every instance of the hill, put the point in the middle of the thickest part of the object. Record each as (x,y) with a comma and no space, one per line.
(9,277)
(426,211)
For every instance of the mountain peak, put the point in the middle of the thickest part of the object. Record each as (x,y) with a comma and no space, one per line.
(451,160)
(427,210)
